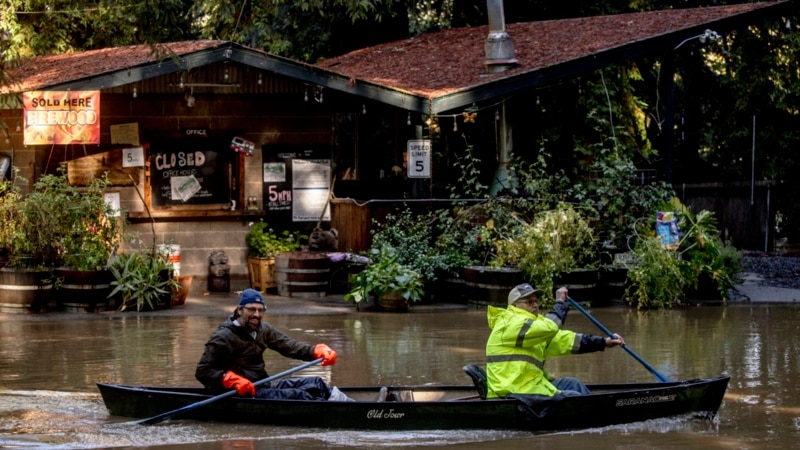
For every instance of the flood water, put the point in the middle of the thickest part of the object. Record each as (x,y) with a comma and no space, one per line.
(49,365)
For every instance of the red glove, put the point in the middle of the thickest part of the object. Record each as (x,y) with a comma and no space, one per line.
(325,352)
(242,385)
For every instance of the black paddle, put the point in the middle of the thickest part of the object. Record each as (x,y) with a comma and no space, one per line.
(660,377)
(170,414)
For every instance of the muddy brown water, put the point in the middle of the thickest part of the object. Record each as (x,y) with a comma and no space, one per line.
(49,367)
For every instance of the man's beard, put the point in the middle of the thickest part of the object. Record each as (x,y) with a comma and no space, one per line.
(248,325)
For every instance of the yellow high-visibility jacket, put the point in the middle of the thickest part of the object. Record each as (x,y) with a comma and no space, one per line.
(519,344)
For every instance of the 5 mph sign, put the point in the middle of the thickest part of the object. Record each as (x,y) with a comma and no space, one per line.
(419,158)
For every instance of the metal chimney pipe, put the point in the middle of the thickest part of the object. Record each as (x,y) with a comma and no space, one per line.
(499,45)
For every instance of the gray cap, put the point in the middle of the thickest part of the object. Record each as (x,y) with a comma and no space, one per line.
(521,291)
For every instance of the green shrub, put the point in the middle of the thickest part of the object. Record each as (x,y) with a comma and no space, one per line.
(263,242)
(384,274)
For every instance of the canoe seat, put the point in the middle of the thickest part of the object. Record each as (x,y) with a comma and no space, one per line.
(478,376)
(406,395)
(382,394)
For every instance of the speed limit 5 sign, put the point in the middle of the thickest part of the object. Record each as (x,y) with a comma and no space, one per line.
(419,158)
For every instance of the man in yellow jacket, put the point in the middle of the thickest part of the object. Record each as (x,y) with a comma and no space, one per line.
(522,339)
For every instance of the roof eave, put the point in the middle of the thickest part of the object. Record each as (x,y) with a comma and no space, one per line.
(656,45)
(331,80)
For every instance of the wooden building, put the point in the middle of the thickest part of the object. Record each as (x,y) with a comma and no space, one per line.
(252,136)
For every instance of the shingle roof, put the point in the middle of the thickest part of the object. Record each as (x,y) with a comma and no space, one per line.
(432,72)
(43,71)
(438,64)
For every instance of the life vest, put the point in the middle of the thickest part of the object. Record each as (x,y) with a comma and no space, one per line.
(517,348)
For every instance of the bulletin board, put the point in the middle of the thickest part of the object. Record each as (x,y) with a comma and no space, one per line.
(296,183)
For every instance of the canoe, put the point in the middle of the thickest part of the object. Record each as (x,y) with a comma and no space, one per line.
(428,407)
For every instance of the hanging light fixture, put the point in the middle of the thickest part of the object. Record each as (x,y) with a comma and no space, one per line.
(190,100)
(134,92)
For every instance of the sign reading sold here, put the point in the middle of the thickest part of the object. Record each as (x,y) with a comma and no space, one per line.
(61,117)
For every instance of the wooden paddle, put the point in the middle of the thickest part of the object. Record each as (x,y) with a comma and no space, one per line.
(659,376)
(170,414)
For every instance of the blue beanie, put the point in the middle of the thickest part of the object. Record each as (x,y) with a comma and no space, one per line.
(250,296)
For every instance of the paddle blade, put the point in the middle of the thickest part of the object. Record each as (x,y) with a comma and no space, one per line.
(159,418)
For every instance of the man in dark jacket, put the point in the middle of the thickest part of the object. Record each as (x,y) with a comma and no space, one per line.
(234,357)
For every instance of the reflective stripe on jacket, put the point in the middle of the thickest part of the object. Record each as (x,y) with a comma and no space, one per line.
(518,346)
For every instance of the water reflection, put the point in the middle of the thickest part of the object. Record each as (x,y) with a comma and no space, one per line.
(49,367)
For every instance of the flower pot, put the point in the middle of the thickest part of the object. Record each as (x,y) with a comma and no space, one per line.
(490,286)
(180,293)
(392,301)
(262,273)
(24,291)
(84,290)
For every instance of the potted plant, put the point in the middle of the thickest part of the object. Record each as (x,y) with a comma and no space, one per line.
(142,281)
(699,265)
(393,284)
(557,244)
(36,230)
(10,198)
(24,286)
(471,234)
(91,240)
(711,266)
(655,279)
(412,236)
(263,244)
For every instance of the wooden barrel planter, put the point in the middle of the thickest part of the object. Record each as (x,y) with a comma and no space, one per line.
(581,283)
(613,282)
(24,291)
(84,290)
(302,274)
(489,286)
(393,302)
(706,291)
